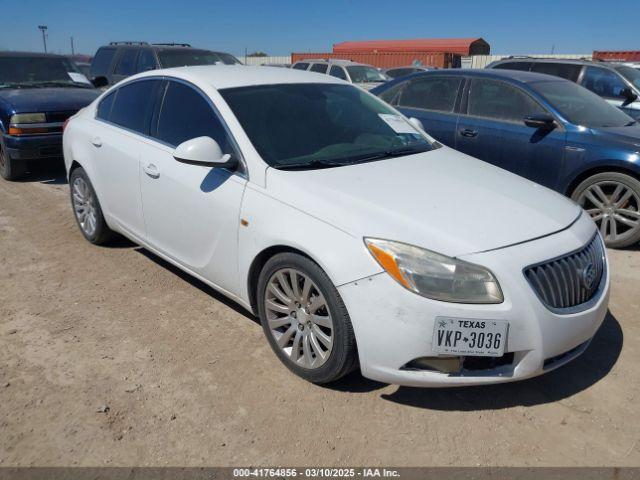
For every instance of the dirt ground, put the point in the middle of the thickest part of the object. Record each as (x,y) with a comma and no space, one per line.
(186,377)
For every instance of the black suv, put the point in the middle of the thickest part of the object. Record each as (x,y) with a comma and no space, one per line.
(119,60)
(617,83)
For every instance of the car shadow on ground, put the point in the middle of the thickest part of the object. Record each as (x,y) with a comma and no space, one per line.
(593,365)
(51,174)
(197,284)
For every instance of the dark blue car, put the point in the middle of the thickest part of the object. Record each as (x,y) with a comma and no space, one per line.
(546,129)
(38,92)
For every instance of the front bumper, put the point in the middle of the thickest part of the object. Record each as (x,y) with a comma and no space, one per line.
(33,147)
(394,326)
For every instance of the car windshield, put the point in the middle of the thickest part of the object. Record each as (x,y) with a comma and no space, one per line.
(580,106)
(365,74)
(39,71)
(320,125)
(178,57)
(631,74)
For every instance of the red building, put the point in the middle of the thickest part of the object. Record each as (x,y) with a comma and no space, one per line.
(436,52)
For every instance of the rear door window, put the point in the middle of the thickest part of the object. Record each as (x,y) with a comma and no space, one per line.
(102,61)
(127,63)
(133,105)
(319,67)
(300,66)
(338,72)
(603,82)
(146,60)
(186,114)
(432,93)
(500,101)
(562,70)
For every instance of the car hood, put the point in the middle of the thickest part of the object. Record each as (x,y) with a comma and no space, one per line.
(441,200)
(25,100)
(628,136)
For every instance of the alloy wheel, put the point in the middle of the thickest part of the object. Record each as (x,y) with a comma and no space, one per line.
(84,206)
(615,208)
(299,318)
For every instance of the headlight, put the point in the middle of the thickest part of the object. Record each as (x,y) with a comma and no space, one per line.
(435,276)
(19,118)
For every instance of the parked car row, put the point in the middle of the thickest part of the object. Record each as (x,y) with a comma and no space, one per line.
(357,238)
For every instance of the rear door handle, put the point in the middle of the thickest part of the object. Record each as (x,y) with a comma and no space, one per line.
(467,132)
(151,170)
(96,142)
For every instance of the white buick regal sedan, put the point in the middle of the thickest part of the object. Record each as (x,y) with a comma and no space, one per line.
(358,240)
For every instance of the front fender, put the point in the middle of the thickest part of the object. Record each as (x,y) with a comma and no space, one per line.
(343,257)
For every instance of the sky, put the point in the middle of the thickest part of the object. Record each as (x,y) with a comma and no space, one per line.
(280,27)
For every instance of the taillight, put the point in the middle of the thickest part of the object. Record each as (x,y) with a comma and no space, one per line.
(64,125)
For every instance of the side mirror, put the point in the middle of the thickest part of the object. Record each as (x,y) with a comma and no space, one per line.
(540,121)
(629,96)
(100,82)
(203,151)
(416,123)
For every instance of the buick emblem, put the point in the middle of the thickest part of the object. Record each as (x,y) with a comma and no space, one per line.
(588,276)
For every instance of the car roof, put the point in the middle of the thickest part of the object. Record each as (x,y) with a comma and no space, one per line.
(230,76)
(514,75)
(566,61)
(31,54)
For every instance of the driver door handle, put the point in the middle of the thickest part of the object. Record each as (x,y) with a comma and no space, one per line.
(467,132)
(151,170)
(96,142)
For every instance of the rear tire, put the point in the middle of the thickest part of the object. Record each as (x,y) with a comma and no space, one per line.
(305,319)
(87,210)
(10,169)
(613,201)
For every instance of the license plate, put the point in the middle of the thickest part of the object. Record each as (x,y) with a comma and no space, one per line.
(469,336)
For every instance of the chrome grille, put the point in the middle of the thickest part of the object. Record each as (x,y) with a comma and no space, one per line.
(571,280)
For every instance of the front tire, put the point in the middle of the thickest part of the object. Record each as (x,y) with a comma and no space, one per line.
(10,169)
(87,210)
(613,201)
(305,319)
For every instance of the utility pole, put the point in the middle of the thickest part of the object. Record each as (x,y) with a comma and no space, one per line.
(43,29)
(73,52)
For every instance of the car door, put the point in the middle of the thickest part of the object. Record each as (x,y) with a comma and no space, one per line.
(432,100)
(122,122)
(609,85)
(491,127)
(191,211)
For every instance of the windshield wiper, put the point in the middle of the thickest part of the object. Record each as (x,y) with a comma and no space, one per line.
(397,152)
(632,122)
(314,164)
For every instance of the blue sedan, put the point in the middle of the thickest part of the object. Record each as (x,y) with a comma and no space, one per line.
(544,128)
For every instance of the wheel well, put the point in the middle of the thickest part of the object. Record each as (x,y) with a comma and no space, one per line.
(256,267)
(594,171)
(73,166)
